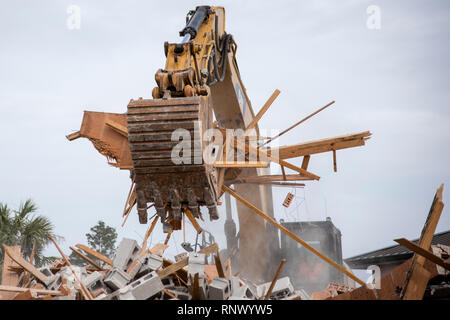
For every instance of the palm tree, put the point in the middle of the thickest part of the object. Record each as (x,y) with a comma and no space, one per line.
(23,227)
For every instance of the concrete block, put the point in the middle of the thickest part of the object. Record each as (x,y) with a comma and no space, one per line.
(147,286)
(126,253)
(196,264)
(46,271)
(55,283)
(219,289)
(71,297)
(283,287)
(150,262)
(116,279)
(94,281)
(126,294)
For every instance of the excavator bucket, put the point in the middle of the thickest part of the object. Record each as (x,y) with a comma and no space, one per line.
(169,172)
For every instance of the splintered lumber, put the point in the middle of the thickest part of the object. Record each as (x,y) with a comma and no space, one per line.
(323,145)
(26,265)
(264,155)
(85,292)
(275,278)
(293,236)
(301,121)
(174,267)
(38,291)
(418,277)
(86,258)
(95,254)
(192,219)
(117,127)
(424,253)
(261,112)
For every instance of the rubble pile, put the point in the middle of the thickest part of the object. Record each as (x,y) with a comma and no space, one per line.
(137,274)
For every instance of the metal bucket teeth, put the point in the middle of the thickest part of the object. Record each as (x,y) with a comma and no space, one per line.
(168,182)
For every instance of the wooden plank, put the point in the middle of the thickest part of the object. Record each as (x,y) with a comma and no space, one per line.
(219,266)
(261,112)
(73,136)
(422,252)
(95,254)
(417,278)
(168,236)
(86,258)
(293,236)
(10,277)
(323,145)
(305,162)
(298,123)
(241,164)
(117,127)
(38,291)
(275,278)
(149,232)
(264,155)
(334,161)
(174,267)
(26,265)
(192,219)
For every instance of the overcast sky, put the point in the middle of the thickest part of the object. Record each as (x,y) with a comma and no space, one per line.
(393,81)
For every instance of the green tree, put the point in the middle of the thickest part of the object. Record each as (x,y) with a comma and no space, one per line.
(24,228)
(102,239)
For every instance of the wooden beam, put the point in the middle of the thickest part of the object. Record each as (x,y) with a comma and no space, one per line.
(301,121)
(422,252)
(334,161)
(275,278)
(262,111)
(117,127)
(174,267)
(95,254)
(38,291)
(192,219)
(293,236)
(148,233)
(417,276)
(241,164)
(26,265)
(86,258)
(305,162)
(168,236)
(284,173)
(219,266)
(323,145)
(264,155)
(269,178)
(73,136)
(9,276)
